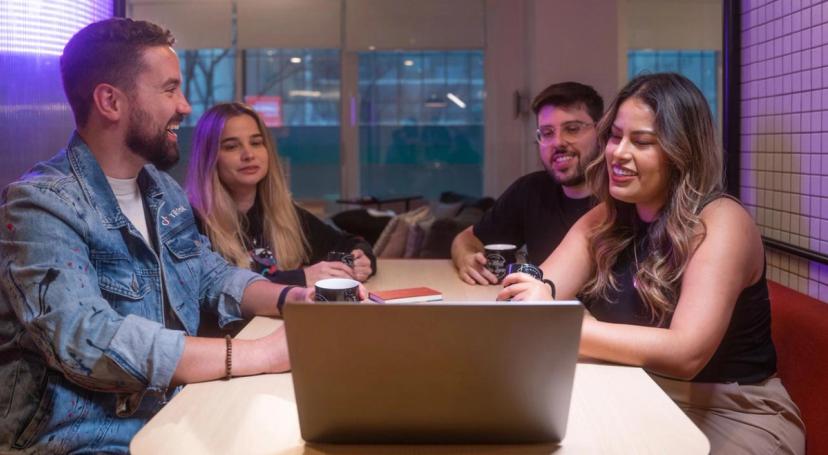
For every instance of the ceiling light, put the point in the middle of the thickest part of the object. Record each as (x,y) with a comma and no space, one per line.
(306,93)
(435,101)
(454,99)
(295,60)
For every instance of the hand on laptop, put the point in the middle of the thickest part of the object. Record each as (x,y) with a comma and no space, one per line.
(520,286)
(472,269)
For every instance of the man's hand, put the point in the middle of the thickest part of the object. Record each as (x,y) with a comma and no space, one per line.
(327,269)
(362,265)
(273,350)
(472,269)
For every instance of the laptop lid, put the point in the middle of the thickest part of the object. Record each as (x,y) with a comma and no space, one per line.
(470,372)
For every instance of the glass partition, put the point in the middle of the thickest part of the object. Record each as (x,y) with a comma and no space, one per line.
(421,123)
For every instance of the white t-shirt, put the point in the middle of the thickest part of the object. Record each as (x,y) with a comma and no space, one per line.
(129,199)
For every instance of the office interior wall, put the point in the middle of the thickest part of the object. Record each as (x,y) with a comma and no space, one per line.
(671,25)
(674,24)
(784,133)
(196,24)
(570,40)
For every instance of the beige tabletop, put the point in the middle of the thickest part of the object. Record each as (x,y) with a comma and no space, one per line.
(614,410)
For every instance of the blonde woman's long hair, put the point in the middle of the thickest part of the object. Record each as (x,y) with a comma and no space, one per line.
(219,212)
(685,132)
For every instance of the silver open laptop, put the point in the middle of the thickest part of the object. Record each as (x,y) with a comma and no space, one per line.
(470,372)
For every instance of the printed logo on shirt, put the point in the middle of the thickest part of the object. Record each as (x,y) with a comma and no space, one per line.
(165,219)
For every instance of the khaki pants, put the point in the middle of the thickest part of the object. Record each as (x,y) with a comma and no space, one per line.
(741,419)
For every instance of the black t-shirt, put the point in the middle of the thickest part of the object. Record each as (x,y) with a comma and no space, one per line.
(533,211)
(321,237)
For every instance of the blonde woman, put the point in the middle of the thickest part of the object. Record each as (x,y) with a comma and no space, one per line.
(672,271)
(236,185)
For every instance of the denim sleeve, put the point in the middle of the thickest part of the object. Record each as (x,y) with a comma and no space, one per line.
(52,287)
(223,284)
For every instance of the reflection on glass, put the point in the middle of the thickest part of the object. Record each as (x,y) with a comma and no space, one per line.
(700,66)
(297,91)
(421,123)
(207,78)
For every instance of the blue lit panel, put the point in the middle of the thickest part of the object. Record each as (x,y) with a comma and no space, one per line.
(44,26)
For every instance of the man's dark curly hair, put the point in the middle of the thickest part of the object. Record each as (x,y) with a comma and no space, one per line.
(570,94)
(106,52)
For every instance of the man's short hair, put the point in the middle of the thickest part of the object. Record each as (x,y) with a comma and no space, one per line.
(106,52)
(570,94)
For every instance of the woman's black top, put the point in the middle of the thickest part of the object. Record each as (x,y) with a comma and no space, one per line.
(746,353)
(321,237)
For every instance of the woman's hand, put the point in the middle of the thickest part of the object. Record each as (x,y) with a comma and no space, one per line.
(362,265)
(327,269)
(520,286)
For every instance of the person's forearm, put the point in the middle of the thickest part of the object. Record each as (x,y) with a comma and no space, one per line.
(261,298)
(204,359)
(659,350)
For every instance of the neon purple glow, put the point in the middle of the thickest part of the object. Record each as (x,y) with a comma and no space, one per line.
(44,26)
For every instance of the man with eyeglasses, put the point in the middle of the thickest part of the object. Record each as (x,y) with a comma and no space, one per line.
(539,208)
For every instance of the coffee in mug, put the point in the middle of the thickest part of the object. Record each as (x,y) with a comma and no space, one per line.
(528,269)
(337,290)
(498,256)
(341,256)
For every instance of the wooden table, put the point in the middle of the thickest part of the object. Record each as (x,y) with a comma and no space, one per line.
(614,410)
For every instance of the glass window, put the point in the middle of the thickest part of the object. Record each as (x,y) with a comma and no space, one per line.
(421,123)
(299,90)
(700,66)
(208,77)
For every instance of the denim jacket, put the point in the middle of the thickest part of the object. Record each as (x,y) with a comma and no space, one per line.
(85,358)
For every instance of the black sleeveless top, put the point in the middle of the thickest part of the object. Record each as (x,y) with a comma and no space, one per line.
(746,353)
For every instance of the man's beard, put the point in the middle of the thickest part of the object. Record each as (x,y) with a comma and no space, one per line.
(156,149)
(570,178)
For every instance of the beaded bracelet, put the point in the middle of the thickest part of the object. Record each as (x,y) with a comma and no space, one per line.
(228,362)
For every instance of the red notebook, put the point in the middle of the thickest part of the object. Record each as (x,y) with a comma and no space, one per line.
(421,294)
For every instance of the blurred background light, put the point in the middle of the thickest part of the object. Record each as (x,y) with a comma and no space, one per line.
(44,26)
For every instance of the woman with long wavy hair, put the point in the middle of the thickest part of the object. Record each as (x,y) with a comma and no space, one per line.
(672,270)
(236,184)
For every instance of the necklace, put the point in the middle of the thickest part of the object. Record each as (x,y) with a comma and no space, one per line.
(637,243)
(635,272)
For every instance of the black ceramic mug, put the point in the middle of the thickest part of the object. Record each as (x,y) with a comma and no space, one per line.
(341,256)
(337,290)
(498,256)
(528,269)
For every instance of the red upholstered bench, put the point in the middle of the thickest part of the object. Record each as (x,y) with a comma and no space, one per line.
(799,325)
